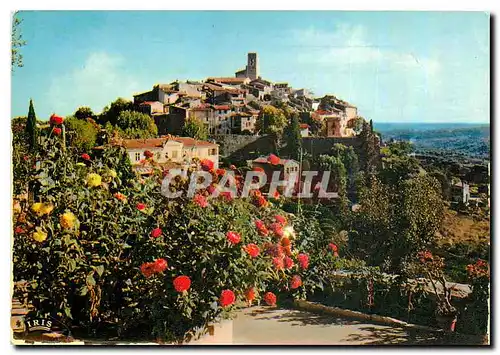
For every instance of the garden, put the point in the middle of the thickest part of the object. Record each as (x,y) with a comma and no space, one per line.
(106,255)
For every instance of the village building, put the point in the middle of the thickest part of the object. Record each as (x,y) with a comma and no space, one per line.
(251,70)
(304,129)
(168,151)
(286,167)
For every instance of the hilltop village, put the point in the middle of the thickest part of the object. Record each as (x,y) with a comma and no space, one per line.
(231,105)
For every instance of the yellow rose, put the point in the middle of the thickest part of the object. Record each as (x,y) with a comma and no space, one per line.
(94,180)
(112,173)
(46,208)
(39,236)
(37,207)
(67,220)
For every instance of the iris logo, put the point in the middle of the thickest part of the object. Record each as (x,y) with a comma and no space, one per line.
(38,324)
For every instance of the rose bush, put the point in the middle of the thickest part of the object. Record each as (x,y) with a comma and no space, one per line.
(99,247)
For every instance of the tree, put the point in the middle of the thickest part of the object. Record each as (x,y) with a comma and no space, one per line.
(195,128)
(294,138)
(112,112)
(271,120)
(369,155)
(80,133)
(31,127)
(84,112)
(393,224)
(17,43)
(132,124)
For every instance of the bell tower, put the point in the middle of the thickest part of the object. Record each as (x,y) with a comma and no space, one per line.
(252,66)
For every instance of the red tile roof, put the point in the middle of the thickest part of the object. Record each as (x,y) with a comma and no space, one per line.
(158,142)
(229,80)
(221,107)
(303,125)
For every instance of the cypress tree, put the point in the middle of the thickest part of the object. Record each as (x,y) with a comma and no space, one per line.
(31,128)
(294,137)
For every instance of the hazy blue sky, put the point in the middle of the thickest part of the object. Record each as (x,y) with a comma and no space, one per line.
(395,66)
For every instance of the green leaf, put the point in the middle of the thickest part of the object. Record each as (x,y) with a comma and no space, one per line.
(90,279)
(99,269)
(84,290)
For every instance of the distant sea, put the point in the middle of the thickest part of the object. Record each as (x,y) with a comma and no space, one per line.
(415,126)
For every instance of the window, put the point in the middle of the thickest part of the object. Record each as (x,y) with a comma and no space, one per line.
(213,151)
(137,156)
(174,154)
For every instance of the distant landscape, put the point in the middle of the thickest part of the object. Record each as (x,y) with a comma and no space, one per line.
(468,142)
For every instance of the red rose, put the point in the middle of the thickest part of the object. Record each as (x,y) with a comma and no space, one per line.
(26,158)
(270,298)
(56,120)
(200,200)
(276,194)
(278,263)
(333,247)
(227,298)
(252,250)
(296,282)
(155,233)
(160,265)
(85,156)
(288,250)
(259,169)
(285,242)
(220,172)
(259,224)
(288,263)
(140,206)
(148,154)
(57,131)
(207,164)
(280,219)
(211,189)
(227,195)
(277,229)
(233,237)
(250,294)
(148,269)
(303,260)
(261,201)
(182,283)
(19,230)
(273,159)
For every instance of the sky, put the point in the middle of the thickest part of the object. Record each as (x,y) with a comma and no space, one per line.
(394,66)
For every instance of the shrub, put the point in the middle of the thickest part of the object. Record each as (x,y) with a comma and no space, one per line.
(91,254)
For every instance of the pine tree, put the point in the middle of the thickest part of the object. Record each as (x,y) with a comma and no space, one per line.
(31,128)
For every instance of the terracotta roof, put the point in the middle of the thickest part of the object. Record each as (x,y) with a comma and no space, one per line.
(221,107)
(229,80)
(263,160)
(149,102)
(158,142)
(303,125)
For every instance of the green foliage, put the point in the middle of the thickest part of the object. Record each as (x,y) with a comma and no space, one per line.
(394,224)
(294,138)
(112,112)
(89,273)
(17,43)
(271,120)
(84,112)
(80,133)
(132,124)
(31,127)
(369,152)
(195,128)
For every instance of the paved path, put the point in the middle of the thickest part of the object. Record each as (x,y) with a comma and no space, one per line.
(267,326)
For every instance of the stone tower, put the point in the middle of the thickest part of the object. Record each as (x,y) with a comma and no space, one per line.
(252,66)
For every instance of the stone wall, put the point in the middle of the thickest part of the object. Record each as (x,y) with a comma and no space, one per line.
(239,147)
(323,145)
